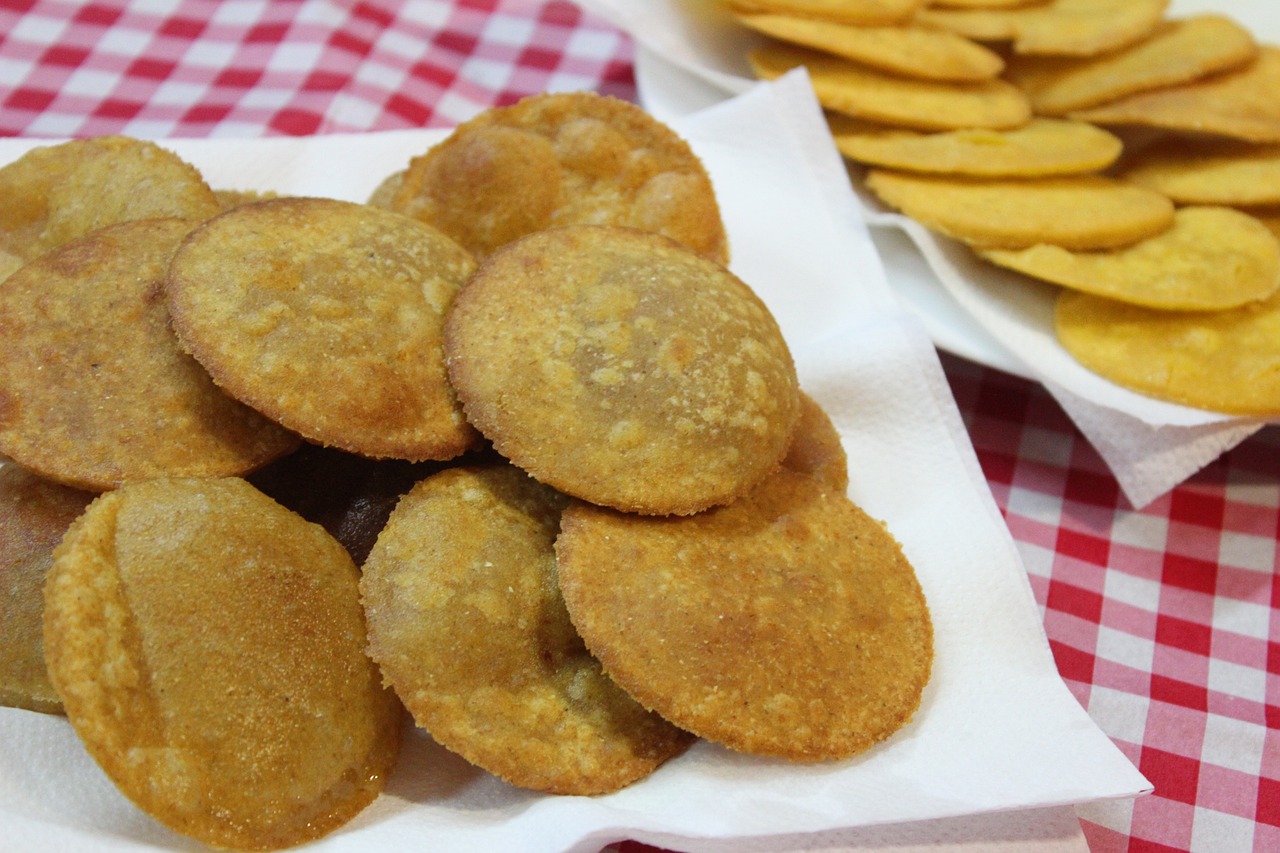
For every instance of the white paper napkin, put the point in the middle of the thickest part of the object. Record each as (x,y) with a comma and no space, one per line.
(998,729)
(1150,446)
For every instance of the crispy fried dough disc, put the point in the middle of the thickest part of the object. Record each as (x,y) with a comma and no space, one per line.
(467,623)
(1076,212)
(326,316)
(34,513)
(1177,52)
(856,12)
(862,92)
(622,368)
(1268,215)
(1238,104)
(1210,172)
(816,450)
(1058,28)
(906,50)
(208,646)
(384,194)
(1040,147)
(1212,258)
(985,4)
(563,159)
(9,264)
(788,623)
(56,193)
(1225,361)
(94,389)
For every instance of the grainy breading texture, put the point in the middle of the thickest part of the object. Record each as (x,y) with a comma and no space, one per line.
(1212,258)
(563,159)
(856,90)
(1075,212)
(467,623)
(1225,361)
(788,623)
(208,646)
(34,513)
(56,193)
(94,389)
(816,450)
(326,316)
(622,368)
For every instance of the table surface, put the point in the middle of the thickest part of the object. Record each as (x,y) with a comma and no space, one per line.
(1164,621)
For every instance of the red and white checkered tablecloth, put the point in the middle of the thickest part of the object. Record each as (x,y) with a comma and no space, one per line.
(1164,622)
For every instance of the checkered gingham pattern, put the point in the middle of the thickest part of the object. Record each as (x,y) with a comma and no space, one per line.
(1165,622)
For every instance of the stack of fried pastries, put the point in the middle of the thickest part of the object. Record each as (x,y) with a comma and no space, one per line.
(1126,160)
(535,466)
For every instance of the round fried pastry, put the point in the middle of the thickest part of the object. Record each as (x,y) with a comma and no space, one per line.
(788,623)
(1210,172)
(326,316)
(855,12)
(56,193)
(1224,361)
(94,389)
(1058,28)
(856,90)
(1039,148)
(1212,258)
(563,159)
(622,368)
(1079,212)
(467,623)
(34,513)
(910,51)
(1177,52)
(1236,104)
(208,646)
(816,450)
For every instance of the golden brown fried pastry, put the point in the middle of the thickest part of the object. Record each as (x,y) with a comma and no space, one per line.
(1212,258)
(563,159)
(858,12)
(94,389)
(34,513)
(622,368)
(1039,148)
(56,193)
(1057,28)
(816,450)
(1177,52)
(856,90)
(467,623)
(1236,104)
(1224,361)
(788,623)
(1075,212)
(208,646)
(907,50)
(326,316)
(1209,171)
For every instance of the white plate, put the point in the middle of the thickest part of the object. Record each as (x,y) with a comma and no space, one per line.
(699,60)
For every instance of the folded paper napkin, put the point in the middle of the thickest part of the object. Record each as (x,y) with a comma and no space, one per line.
(1150,446)
(997,731)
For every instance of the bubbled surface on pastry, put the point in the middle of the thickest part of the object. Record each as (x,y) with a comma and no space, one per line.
(326,316)
(623,369)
